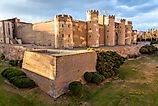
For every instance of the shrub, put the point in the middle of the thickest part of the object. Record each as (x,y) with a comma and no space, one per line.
(108,61)
(113,73)
(2,56)
(148,49)
(22,82)
(5,72)
(154,42)
(20,63)
(97,78)
(13,62)
(14,73)
(105,74)
(16,63)
(17,78)
(75,88)
(88,76)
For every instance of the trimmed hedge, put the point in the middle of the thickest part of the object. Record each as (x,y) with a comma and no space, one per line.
(22,82)
(107,64)
(88,76)
(148,49)
(75,88)
(17,78)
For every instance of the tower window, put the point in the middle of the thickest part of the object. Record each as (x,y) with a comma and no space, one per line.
(9,31)
(62,35)
(62,25)
(107,30)
(69,35)
(68,26)
(90,28)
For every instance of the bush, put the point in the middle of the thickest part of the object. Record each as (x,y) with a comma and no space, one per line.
(107,61)
(2,56)
(16,63)
(14,73)
(97,78)
(13,62)
(17,78)
(22,82)
(154,42)
(88,76)
(75,88)
(148,49)
(105,74)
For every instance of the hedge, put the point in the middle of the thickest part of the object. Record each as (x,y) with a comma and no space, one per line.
(107,64)
(75,88)
(148,49)
(17,78)
(22,82)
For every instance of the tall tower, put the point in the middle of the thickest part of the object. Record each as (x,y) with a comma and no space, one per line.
(110,31)
(121,33)
(63,31)
(129,29)
(92,28)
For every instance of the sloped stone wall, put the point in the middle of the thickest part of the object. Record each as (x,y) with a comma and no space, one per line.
(124,50)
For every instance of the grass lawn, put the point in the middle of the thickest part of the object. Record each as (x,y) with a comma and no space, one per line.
(137,86)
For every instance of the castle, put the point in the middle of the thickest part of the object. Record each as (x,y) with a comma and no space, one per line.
(65,32)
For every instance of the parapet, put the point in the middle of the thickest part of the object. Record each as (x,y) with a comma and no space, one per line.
(129,22)
(112,16)
(123,20)
(93,12)
(63,17)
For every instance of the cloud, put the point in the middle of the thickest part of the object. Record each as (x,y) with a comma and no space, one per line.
(38,10)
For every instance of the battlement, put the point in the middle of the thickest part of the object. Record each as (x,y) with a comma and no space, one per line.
(123,20)
(93,12)
(111,16)
(63,17)
(129,22)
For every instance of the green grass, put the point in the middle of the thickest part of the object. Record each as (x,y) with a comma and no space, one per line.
(137,86)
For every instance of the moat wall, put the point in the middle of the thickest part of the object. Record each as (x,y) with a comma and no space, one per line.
(13,52)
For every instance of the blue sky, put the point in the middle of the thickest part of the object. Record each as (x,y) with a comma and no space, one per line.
(143,13)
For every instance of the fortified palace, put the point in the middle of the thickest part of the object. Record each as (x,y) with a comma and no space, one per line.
(65,32)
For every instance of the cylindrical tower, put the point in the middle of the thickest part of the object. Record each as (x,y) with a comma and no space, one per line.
(92,28)
(121,34)
(63,31)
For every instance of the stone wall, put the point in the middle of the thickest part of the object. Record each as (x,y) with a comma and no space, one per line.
(124,50)
(47,26)
(26,33)
(53,71)
(12,52)
(79,34)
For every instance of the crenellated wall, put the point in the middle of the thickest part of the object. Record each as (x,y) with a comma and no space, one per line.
(79,33)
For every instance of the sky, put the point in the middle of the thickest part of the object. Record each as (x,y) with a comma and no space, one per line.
(143,13)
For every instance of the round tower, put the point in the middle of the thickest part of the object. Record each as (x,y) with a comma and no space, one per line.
(129,29)
(121,34)
(110,31)
(92,28)
(63,31)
